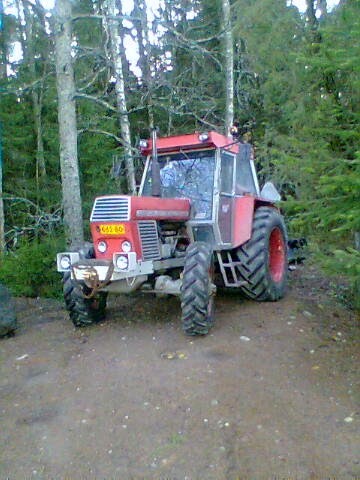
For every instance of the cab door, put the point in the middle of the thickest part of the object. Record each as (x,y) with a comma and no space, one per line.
(226,195)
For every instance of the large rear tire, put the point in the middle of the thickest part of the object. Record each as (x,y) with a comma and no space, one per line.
(263,258)
(198,290)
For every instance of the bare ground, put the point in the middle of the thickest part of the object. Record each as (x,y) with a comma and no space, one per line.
(270,393)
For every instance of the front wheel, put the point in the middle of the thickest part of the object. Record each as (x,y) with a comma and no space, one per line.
(198,290)
(83,311)
(263,258)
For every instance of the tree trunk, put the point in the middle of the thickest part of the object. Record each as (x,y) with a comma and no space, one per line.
(357,241)
(37,96)
(312,21)
(26,39)
(2,214)
(112,25)
(229,66)
(40,156)
(3,45)
(3,75)
(67,123)
(142,33)
(321,5)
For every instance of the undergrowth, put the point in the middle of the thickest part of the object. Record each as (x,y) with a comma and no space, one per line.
(30,270)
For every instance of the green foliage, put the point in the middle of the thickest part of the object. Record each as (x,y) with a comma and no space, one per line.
(307,110)
(298,83)
(30,270)
(345,263)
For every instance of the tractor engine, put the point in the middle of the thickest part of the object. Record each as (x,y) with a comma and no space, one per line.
(132,238)
(128,229)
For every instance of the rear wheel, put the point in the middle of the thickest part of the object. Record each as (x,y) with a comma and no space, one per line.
(198,290)
(264,257)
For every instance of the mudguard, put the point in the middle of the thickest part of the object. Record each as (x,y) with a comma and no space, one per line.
(244,208)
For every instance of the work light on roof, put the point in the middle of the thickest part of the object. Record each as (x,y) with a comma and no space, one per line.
(203,137)
(143,143)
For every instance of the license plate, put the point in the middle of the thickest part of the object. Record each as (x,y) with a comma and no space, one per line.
(112,229)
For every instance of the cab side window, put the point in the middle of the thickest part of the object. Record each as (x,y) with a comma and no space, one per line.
(244,176)
(227,169)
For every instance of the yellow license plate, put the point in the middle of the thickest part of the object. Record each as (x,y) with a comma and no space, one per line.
(112,229)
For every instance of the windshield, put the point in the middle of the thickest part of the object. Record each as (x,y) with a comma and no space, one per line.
(187,175)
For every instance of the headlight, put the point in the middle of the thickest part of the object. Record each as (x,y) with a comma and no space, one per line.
(65,262)
(126,246)
(102,246)
(122,262)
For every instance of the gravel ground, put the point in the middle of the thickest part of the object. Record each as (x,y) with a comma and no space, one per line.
(270,394)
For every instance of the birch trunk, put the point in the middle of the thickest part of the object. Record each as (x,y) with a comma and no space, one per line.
(229,66)
(112,25)
(67,123)
(143,41)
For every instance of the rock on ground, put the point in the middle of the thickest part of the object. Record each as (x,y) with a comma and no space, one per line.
(7,313)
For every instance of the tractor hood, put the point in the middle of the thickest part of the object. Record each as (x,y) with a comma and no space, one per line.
(122,208)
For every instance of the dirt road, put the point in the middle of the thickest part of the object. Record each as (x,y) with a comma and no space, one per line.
(270,393)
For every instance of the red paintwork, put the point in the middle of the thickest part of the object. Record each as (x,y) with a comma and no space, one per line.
(190,142)
(242,219)
(172,209)
(114,241)
(162,208)
(277,254)
(244,208)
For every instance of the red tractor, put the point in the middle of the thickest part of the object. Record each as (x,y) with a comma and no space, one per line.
(198,222)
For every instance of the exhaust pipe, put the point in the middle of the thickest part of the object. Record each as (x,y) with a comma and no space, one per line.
(155,167)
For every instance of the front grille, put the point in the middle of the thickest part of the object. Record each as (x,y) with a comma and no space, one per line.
(149,240)
(111,209)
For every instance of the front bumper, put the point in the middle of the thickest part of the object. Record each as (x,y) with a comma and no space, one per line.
(83,269)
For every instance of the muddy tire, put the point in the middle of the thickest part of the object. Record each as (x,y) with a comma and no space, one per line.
(263,258)
(197,290)
(83,311)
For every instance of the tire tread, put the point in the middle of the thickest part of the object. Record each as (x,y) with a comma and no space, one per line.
(195,295)
(253,256)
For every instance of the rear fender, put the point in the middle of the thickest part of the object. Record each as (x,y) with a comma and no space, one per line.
(244,208)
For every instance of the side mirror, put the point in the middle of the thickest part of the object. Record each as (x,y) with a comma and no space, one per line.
(269,192)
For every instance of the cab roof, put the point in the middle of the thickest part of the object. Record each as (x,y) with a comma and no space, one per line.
(192,141)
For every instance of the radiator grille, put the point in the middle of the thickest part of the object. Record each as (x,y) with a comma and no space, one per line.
(111,209)
(149,240)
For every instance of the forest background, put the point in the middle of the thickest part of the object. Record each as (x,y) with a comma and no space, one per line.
(290,79)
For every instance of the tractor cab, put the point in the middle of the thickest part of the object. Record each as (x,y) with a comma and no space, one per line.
(186,175)
(210,170)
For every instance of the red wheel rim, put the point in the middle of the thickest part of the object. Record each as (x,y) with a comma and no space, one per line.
(276,255)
